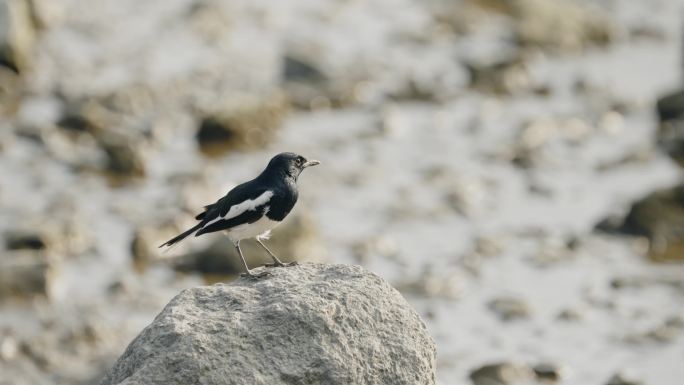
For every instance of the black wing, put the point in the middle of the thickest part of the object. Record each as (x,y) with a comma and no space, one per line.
(201,215)
(213,217)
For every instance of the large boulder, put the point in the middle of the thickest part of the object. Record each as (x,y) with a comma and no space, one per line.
(309,324)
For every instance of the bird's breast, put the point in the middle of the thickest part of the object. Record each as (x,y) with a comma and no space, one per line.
(251,230)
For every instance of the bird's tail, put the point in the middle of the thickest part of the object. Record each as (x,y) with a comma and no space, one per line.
(181,236)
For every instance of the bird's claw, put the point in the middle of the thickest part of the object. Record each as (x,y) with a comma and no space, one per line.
(280,264)
(255,276)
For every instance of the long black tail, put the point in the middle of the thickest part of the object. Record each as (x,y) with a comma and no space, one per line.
(181,236)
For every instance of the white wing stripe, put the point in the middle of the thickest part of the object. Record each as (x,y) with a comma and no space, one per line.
(249,204)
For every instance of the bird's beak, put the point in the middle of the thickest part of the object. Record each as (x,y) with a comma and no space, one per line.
(310,163)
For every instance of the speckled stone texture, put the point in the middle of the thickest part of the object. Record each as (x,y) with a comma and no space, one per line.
(308,324)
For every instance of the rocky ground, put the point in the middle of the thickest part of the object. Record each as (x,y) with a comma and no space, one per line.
(511,166)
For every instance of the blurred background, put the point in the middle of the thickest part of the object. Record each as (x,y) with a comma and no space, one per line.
(511,166)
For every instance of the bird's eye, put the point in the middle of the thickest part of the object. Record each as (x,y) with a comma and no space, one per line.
(300,161)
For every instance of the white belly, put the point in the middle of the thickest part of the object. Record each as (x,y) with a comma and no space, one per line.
(259,229)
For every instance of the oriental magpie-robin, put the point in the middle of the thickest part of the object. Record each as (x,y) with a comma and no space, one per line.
(253,208)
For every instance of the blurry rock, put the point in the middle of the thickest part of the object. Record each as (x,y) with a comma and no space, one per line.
(509,308)
(78,123)
(294,240)
(211,19)
(488,246)
(305,84)
(640,155)
(10,92)
(503,373)
(504,76)
(564,24)
(298,70)
(17,34)
(660,218)
(435,284)
(621,379)
(124,155)
(647,32)
(570,315)
(9,347)
(548,372)
(551,251)
(466,196)
(670,134)
(46,13)
(59,230)
(671,106)
(27,240)
(383,247)
(635,282)
(24,273)
(146,241)
(95,140)
(561,24)
(250,126)
(667,331)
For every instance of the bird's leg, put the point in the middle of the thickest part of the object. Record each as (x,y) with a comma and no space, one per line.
(276,261)
(248,273)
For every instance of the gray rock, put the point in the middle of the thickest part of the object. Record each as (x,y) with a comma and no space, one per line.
(309,324)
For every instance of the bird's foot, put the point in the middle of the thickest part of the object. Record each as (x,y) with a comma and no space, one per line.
(281,264)
(251,275)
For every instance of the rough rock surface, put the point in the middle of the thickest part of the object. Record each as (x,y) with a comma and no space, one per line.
(310,324)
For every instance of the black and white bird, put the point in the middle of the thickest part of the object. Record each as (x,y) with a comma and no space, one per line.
(253,208)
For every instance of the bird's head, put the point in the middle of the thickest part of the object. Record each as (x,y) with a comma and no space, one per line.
(290,164)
